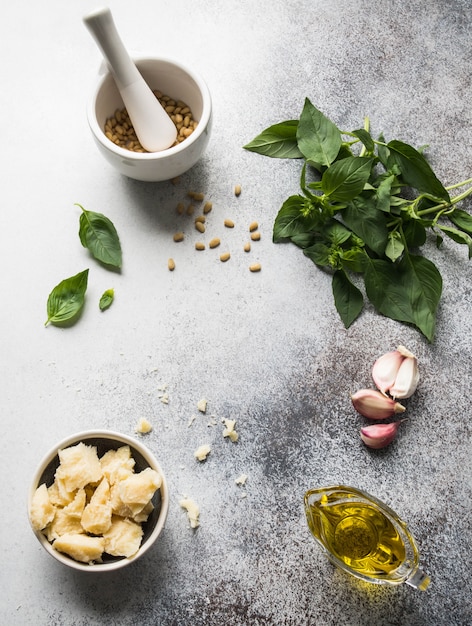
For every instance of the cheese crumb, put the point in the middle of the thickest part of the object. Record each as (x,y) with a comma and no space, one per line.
(202,452)
(164,398)
(241,480)
(191,420)
(202,405)
(229,430)
(143,426)
(193,511)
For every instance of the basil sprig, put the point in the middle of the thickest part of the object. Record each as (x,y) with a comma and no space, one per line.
(67,299)
(366,211)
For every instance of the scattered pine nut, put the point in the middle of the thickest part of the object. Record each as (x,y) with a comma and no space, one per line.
(171,265)
(253,226)
(180,208)
(229,223)
(200,227)
(199,246)
(255,236)
(196,196)
(247,247)
(225,257)
(255,267)
(237,190)
(207,207)
(200,218)
(179,237)
(214,243)
(190,209)
(176,180)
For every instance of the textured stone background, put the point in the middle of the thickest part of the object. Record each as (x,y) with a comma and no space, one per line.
(267,350)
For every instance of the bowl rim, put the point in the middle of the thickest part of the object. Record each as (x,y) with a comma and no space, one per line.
(151,156)
(119,438)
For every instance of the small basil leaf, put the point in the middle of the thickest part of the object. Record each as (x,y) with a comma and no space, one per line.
(319,253)
(462,220)
(348,298)
(458,236)
(98,234)
(415,233)
(107,299)
(319,140)
(366,139)
(277,141)
(395,246)
(67,299)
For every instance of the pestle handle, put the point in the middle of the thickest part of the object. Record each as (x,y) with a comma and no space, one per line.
(154,128)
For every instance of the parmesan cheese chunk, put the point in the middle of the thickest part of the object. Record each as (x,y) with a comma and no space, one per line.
(202,452)
(229,430)
(96,516)
(139,488)
(202,405)
(82,548)
(117,464)
(67,519)
(193,511)
(41,511)
(123,537)
(144,426)
(79,465)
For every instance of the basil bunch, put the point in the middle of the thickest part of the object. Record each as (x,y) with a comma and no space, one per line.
(98,234)
(366,214)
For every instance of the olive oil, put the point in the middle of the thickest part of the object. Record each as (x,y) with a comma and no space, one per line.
(363,536)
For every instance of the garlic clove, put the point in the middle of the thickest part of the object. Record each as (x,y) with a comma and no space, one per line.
(375,405)
(385,369)
(407,378)
(379,435)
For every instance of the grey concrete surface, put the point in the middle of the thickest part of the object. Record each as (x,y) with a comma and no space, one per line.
(267,349)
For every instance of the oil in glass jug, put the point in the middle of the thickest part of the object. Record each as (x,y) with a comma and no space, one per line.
(363,536)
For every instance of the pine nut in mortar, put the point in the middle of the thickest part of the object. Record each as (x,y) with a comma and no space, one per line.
(120,131)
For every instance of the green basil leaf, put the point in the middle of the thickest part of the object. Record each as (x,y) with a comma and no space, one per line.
(278,141)
(408,291)
(395,246)
(67,299)
(336,232)
(345,179)
(319,254)
(353,260)
(291,219)
(303,240)
(98,234)
(362,217)
(415,233)
(319,140)
(458,236)
(348,298)
(107,299)
(384,193)
(462,220)
(415,170)
(366,139)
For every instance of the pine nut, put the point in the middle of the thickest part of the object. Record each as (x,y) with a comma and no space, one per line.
(200,218)
(200,227)
(190,209)
(247,247)
(199,246)
(214,243)
(229,223)
(255,267)
(255,236)
(253,226)
(180,208)
(237,190)
(196,196)
(225,257)
(171,265)
(178,237)
(207,207)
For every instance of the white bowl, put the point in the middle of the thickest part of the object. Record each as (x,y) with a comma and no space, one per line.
(105,440)
(173,79)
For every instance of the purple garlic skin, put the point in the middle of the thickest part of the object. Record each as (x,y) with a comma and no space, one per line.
(396,373)
(379,436)
(375,405)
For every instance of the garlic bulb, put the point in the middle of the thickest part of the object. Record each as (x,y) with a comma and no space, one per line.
(375,405)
